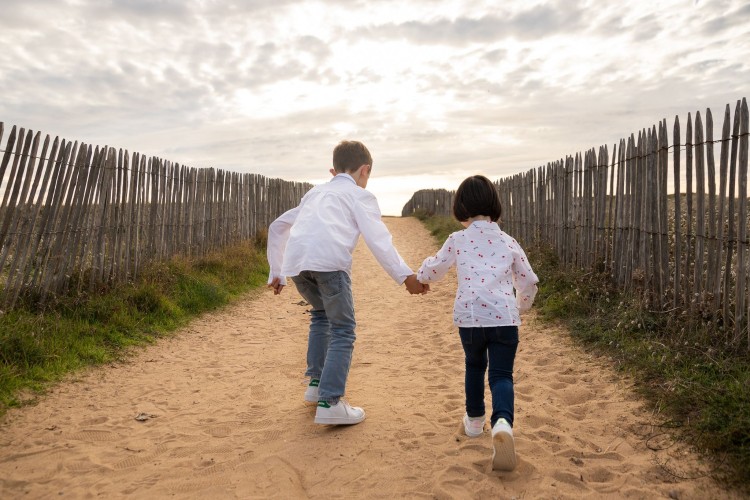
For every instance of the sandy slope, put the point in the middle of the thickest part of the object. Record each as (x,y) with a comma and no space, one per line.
(229,420)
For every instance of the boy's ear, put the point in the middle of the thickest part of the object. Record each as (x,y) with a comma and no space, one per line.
(333,172)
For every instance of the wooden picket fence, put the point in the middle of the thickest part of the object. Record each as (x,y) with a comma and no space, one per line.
(430,201)
(685,249)
(96,214)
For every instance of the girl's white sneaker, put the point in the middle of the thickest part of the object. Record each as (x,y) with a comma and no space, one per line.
(503,448)
(473,426)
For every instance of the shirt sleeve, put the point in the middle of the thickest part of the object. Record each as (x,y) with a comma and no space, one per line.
(379,239)
(434,268)
(524,279)
(278,235)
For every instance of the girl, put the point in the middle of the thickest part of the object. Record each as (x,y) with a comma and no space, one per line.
(489,264)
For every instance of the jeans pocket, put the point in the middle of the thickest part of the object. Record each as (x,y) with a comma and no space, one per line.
(330,284)
(508,335)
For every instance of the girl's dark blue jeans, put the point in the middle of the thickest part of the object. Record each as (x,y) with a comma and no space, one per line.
(496,346)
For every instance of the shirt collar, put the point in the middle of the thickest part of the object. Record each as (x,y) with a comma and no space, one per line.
(344,176)
(482,224)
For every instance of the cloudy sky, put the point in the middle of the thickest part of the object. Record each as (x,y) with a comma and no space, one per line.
(437,89)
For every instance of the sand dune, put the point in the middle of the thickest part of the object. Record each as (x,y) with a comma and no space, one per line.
(222,413)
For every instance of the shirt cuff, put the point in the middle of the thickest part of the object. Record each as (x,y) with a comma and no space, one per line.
(402,278)
(282,279)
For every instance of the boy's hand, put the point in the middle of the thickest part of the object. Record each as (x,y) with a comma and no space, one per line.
(276,285)
(414,287)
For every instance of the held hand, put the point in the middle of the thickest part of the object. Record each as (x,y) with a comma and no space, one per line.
(276,285)
(415,287)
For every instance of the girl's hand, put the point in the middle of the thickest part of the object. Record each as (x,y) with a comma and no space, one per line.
(415,287)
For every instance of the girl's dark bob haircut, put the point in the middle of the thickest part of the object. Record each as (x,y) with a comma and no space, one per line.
(476,195)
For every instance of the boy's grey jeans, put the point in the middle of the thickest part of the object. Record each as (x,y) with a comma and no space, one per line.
(331,339)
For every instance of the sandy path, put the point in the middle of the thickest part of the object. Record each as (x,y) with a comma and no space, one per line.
(230,422)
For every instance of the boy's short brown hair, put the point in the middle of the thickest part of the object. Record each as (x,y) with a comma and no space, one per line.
(476,195)
(350,155)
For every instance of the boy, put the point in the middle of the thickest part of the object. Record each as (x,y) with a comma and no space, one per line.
(313,243)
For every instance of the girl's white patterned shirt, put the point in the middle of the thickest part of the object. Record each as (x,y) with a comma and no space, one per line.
(489,265)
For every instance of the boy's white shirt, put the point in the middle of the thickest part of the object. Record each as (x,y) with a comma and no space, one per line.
(320,234)
(489,265)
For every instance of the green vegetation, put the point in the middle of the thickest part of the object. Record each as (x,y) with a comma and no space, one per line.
(42,346)
(695,383)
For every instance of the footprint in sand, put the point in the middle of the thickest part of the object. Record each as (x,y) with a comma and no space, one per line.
(140,458)
(95,421)
(211,475)
(94,435)
(80,465)
(223,430)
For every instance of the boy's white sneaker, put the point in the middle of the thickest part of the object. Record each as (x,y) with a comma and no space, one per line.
(503,448)
(311,393)
(473,426)
(342,413)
